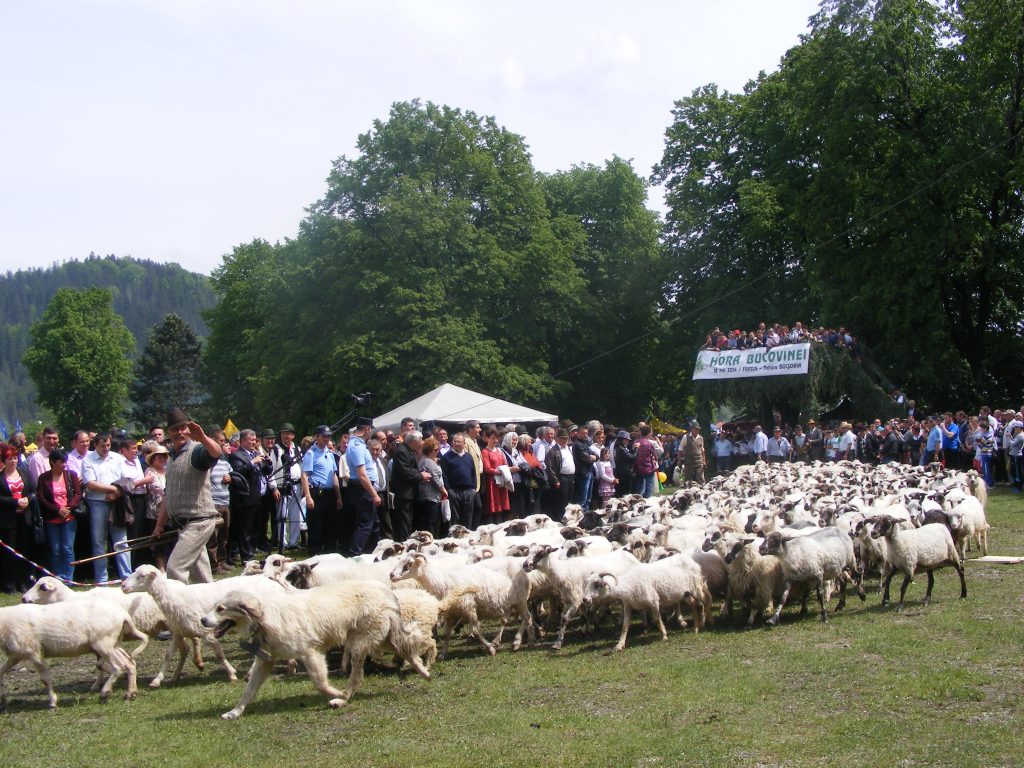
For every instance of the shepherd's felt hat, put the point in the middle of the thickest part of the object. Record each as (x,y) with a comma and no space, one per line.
(176,417)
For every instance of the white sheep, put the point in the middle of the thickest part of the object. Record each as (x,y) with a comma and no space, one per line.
(649,587)
(495,595)
(34,633)
(756,580)
(815,559)
(925,549)
(569,576)
(146,614)
(184,606)
(968,523)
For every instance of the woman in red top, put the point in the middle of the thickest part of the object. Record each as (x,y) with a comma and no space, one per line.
(59,494)
(16,495)
(496,500)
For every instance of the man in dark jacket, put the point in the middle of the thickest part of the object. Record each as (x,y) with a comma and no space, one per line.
(584,461)
(247,488)
(561,471)
(405,482)
(625,457)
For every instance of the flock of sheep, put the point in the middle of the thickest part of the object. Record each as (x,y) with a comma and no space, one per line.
(760,538)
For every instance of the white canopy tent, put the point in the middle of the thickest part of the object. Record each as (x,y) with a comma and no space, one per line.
(449,403)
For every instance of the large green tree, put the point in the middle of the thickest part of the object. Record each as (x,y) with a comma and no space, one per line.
(873,181)
(436,254)
(167,372)
(610,355)
(79,359)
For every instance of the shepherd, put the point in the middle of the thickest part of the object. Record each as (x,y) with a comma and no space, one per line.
(187,500)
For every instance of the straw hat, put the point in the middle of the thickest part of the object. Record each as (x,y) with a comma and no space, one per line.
(158,451)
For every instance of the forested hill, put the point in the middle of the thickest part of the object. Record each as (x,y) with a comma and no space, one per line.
(144,292)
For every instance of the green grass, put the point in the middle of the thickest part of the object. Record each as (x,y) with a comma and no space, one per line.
(933,686)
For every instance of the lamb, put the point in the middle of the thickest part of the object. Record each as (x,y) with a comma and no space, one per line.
(968,523)
(496,595)
(648,587)
(74,628)
(826,554)
(925,548)
(184,605)
(976,485)
(873,552)
(569,576)
(304,625)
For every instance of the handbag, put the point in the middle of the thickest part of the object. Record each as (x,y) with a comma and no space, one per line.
(38,526)
(82,510)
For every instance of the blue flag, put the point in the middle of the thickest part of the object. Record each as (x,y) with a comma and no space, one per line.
(17,425)
(3,429)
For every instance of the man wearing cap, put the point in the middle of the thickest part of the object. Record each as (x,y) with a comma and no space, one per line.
(362,489)
(265,515)
(285,487)
(625,458)
(187,498)
(320,488)
(815,441)
(694,459)
(778,447)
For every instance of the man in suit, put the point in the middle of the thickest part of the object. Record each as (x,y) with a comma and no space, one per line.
(405,482)
(248,486)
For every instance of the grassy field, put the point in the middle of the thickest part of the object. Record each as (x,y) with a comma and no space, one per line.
(933,686)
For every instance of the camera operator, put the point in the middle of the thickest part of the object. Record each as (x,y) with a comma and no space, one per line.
(285,486)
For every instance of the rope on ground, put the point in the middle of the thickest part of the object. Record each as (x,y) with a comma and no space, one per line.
(46,572)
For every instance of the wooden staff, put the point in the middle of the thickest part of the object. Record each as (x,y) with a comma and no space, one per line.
(165,536)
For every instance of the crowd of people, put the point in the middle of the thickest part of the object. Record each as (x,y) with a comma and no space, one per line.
(195,503)
(990,443)
(777,335)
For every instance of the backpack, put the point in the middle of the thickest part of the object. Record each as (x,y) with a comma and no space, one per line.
(646,458)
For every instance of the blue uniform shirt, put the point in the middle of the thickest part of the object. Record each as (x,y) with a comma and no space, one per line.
(358,455)
(319,464)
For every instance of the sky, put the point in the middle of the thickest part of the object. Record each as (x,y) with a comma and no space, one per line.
(176,130)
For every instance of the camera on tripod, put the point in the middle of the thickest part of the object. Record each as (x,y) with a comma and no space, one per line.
(361,399)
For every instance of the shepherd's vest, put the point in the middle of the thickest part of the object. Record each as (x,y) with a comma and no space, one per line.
(187,494)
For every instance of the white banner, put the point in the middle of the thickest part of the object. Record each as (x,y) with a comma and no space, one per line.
(742,363)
